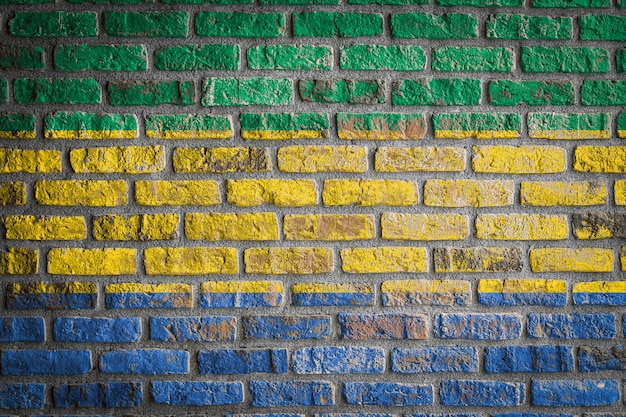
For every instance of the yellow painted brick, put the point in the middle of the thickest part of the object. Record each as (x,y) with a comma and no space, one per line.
(12,193)
(404,226)
(32,161)
(519,159)
(190,261)
(231,226)
(45,228)
(420,159)
(329,226)
(522,285)
(288,260)
(332,287)
(76,261)
(574,193)
(571,260)
(118,159)
(622,258)
(468,193)
(177,193)
(244,287)
(138,227)
(282,193)
(600,159)
(369,193)
(19,261)
(521,227)
(384,260)
(417,286)
(322,159)
(81,193)
(620,192)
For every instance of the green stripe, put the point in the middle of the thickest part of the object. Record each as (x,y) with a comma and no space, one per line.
(17,122)
(376,121)
(477,121)
(621,121)
(179,122)
(571,121)
(284,121)
(87,121)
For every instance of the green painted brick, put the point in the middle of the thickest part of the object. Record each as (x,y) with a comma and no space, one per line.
(568,4)
(564,59)
(290,57)
(299,2)
(603,93)
(477,125)
(342,91)
(198,57)
(378,57)
(390,2)
(54,24)
(472,59)
(577,122)
(91,124)
(534,93)
(331,24)
(151,93)
(621,4)
(4,90)
(520,27)
(621,124)
(482,3)
(437,92)
(620,60)
(247,91)
(56,91)
(602,28)
(285,121)
(431,26)
(147,24)
(3,2)
(111,1)
(243,25)
(17,126)
(100,57)
(21,57)
(186,126)
(206,1)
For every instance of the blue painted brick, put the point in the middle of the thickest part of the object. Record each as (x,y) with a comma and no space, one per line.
(145,361)
(266,415)
(333,299)
(382,326)
(534,415)
(481,393)
(242,361)
(97,329)
(288,393)
(529,359)
(338,360)
(14,396)
(522,299)
(592,359)
(286,327)
(353,415)
(46,362)
(197,393)
(193,329)
(478,326)
(434,359)
(571,326)
(575,393)
(107,394)
(22,329)
(442,415)
(387,393)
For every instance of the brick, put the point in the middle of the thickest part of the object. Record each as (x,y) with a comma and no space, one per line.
(602,27)
(231,226)
(16,125)
(478,326)
(390,2)
(18,261)
(348,91)
(381,126)
(369,192)
(529,359)
(279,192)
(571,326)
(384,260)
(621,123)
(569,393)
(151,93)
(292,393)
(519,292)
(145,361)
(45,228)
(241,294)
(189,126)
(278,126)
(133,295)
(147,24)
(330,227)
(193,329)
(477,259)
(477,125)
(391,326)
(22,329)
(565,4)
(519,159)
(620,60)
(419,159)
(54,24)
(80,125)
(481,393)
(481,3)
(437,92)
(13,57)
(100,57)
(207,1)
(242,25)
(574,193)
(139,227)
(177,193)
(599,225)
(197,57)
(431,26)
(564,59)
(610,159)
(286,327)
(242,361)
(434,359)
(532,93)
(104,394)
(599,293)
(12,193)
(332,294)
(247,91)
(388,394)
(197,393)
(425,292)
(571,260)
(603,93)
(76,261)
(119,159)
(29,161)
(620,192)
(343,25)
(4,90)
(521,227)
(288,260)
(593,359)
(519,27)
(442,226)
(52,296)
(46,362)
(569,126)
(338,360)
(97,329)
(290,57)
(468,193)
(190,261)
(312,159)
(56,91)
(379,57)
(19,395)
(472,59)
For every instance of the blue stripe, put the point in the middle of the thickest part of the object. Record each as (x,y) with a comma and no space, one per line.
(600,298)
(425,298)
(52,301)
(148,300)
(333,299)
(240,299)
(522,298)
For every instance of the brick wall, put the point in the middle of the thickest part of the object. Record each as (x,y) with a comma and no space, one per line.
(379,207)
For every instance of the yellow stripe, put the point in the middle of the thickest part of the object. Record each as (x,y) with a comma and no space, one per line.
(569,134)
(281,134)
(47,288)
(130,287)
(373,134)
(478,134)
(189,134)
(600,286)
(17,134)
(423,285)
(91,134)
(522,285)
(621,133)
(322,287)
(242,286)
